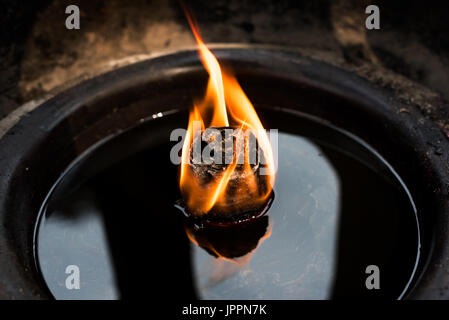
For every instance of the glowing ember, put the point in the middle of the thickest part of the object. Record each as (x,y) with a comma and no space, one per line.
(227,162)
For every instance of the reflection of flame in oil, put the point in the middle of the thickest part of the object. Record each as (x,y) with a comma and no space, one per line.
(225,264)
(218,245)
(223,269)
(223,105)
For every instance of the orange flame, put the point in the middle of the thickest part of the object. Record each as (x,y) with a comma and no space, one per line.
(224,104)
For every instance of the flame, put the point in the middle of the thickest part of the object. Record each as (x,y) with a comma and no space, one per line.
(224,104)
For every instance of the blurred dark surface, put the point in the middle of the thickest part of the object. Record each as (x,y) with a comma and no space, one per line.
(39,56)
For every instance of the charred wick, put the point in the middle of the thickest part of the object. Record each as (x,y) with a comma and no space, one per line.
(240,201)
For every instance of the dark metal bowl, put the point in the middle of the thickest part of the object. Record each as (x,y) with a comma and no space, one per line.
(37,150)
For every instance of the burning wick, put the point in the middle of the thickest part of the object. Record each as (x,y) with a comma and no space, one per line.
(226,175)
(227,167)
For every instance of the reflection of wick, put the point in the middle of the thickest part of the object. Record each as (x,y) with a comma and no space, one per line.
(231,247)
(232,241)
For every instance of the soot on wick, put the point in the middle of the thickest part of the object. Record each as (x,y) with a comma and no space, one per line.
(227,169)
(229,172)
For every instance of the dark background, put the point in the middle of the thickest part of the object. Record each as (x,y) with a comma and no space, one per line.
(40,57)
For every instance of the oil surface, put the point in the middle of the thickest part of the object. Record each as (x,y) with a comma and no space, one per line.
(338,209)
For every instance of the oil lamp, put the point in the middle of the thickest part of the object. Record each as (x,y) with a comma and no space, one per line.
(227,169)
